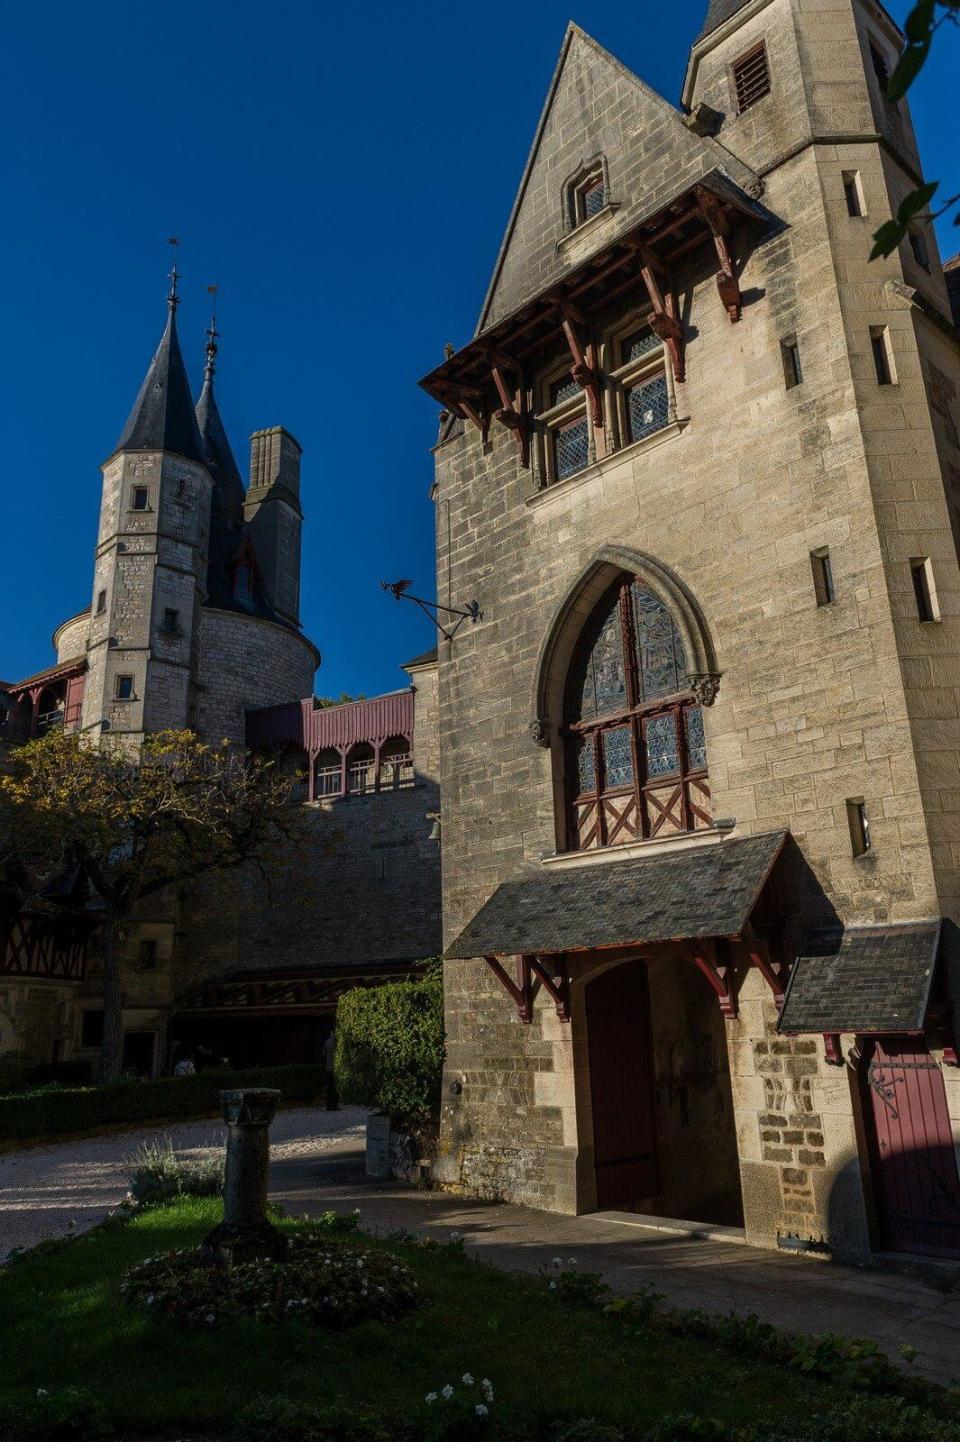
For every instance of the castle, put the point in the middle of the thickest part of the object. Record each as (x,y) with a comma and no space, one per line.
(194,623)
(701,761)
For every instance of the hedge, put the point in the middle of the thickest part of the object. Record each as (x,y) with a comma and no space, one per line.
(390,1047)
(48,1113)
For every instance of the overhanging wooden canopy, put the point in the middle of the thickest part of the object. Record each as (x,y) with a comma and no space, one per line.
(489,378)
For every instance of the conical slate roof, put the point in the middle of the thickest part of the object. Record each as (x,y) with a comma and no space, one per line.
(217,452)
(717,12)
(163,417)
(226,503)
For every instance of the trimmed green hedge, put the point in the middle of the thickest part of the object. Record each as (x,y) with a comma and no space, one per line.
(390,1047)
(48,1113)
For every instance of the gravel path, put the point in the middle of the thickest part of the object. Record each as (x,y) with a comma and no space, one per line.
(68,1186)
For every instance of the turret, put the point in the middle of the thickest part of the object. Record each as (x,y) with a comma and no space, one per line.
(274,517)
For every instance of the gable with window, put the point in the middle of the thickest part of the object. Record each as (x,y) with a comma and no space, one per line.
(635,753)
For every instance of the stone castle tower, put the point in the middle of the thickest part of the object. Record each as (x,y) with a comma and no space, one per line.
(195,610)
(701,762)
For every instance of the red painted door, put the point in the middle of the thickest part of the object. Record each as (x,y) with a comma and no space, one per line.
(621,1086)
(914,1162)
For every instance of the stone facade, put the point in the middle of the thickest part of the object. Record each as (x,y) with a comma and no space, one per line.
(722,509)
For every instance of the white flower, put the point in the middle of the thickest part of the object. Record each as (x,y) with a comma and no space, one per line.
(150,1300)
(42,1392)
(571,1261)
(446,1391)
(486,1387)
(482,1411)
(431,1397)
(558,1261)
(553,1286)
(467,1380)
(210,1318)
(456,1236)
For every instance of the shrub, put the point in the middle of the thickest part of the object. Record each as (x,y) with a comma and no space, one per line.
(50,1113)
(588,1429)
(318,1283)
(159,1175)
(63,1414)
(390,1047)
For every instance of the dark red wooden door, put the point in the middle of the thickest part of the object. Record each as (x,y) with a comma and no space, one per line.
(621,1086)
(914,1163)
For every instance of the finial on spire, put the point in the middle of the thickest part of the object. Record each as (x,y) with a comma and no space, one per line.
(173,300)
(213,334)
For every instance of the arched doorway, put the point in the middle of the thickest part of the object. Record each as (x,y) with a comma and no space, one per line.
(913,1161)
(661,1099)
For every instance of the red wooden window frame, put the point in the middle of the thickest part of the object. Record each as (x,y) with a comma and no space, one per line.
(646,807)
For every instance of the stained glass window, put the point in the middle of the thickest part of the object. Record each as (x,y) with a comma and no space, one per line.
(592,198)
(586,767)
(696,743)
(663,758)
(649,784)
(605,681)
(571,447)
(660,658)
(638,344)
(648,408)
(618,758)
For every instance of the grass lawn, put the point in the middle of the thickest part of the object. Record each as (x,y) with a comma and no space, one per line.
(62,1323)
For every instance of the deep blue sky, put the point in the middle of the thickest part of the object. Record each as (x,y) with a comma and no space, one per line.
(344,174)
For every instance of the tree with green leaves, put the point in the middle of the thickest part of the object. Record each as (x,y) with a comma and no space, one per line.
(922,24)
(135,823)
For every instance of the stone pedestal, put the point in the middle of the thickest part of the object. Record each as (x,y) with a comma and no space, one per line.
(378,1146)
(245,1231)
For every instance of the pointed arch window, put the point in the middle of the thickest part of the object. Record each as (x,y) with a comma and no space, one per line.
(636,759)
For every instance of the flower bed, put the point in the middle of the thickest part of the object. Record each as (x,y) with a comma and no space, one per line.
(322,1284)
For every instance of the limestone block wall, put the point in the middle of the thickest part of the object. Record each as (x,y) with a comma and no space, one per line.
(70,639)
(246,662)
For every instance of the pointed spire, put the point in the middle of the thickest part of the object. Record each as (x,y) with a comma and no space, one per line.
(718,12)
(163,418)
(217,452)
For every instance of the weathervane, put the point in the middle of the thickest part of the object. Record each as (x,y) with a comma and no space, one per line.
(213,335)
(472,612)
(173,300)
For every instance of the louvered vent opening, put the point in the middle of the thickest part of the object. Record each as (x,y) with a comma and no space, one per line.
(751,76)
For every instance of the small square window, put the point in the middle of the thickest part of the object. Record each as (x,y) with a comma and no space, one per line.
(751,77)
(918,244)
(171,620)
(571,447)
(139,498)
(924,590)
(823,586)
(882,355)
(148,954)
(101,602)
(853,193)
(123,690)
(588,198)
(792,367)
(859,824)
(91,1029)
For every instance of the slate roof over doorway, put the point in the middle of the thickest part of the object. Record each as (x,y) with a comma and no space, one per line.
(866,979)
(701,892)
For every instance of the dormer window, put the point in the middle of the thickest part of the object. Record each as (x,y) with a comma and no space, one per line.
(586,194)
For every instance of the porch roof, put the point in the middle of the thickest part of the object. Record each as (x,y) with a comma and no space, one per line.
(865,979)
(708,891)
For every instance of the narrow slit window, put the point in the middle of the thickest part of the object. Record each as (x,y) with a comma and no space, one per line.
(918,244)
(923,589)
(859,824)
(101,602)
(823,586)
(139,498)
(853,193)
(882,356)
(792,365)
(123,691)
(751,77)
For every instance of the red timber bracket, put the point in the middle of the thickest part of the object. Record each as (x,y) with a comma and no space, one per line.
(469,403)
(772,973)
(717,218)
(663,322)
(513,412)
(521,991)
(719,974)
(584,369)
(832,1049)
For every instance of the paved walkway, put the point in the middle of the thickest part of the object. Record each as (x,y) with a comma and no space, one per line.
(797,1293)
(50,1190)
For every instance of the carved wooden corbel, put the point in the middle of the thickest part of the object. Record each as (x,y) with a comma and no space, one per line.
(557,986)
(584,369)
(720,976)
(832,1049)
(663,321)
(772,973)
(519,990)
(717,218)
(513,411)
